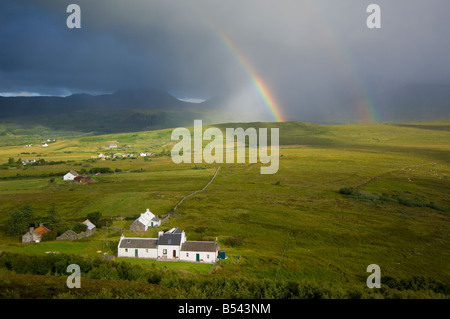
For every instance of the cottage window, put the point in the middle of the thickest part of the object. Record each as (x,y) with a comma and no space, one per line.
(164,251)
(187,254)
(146,250)
(126,250)
(207,256)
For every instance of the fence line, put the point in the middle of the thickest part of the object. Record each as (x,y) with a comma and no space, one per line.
(198,191)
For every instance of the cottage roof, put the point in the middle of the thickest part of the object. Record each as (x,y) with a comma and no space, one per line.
(138,243)
(147,217)
(170,239)
(73,172)
(174,231)
(199,246)
(42,230)
(69,233)
(89,225)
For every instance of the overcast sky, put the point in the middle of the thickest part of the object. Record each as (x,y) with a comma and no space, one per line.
(311,54)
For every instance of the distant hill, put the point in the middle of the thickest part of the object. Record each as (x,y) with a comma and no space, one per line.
(143,110)
(145,99)
(122,111)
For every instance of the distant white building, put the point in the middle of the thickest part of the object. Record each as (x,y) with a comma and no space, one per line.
(44,144)
(112,145)
(88,224)
(70,175)
(28,162)
(145,154)
(171,245)
(146,220)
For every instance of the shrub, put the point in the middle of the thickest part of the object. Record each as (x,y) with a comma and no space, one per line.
(346,190)
(94,217)
(234,241)
(80,227)
(19,221)
(49,236)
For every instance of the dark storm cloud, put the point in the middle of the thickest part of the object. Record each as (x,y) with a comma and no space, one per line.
(317,57)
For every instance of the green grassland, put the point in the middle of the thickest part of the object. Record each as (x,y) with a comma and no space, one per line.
(292,226)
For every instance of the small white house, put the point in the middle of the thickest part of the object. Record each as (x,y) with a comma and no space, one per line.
(28,162)
(145,221)
(145,154)
(70,175)
(44,144)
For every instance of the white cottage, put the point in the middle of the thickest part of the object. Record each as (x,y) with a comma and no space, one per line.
(70,175)
(146,220)
(170,245)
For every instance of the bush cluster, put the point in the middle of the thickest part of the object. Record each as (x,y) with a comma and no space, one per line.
(216,285)
(410,202)
(233,241)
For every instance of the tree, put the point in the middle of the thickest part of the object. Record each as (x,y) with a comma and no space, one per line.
(79,228)
(19,221)
(94,217)
(52,218)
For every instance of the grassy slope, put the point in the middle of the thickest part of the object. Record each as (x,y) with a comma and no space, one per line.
(294,224)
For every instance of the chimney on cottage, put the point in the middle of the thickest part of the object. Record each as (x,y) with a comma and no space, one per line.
(160,233)
(31,229)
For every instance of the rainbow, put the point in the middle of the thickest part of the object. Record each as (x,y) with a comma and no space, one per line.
(365,108)
(258,83)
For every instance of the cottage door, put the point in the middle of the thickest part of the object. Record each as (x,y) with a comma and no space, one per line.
(197,257)
(174,254)
(135,253)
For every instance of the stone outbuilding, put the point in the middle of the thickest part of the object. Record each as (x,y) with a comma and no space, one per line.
(35,235)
